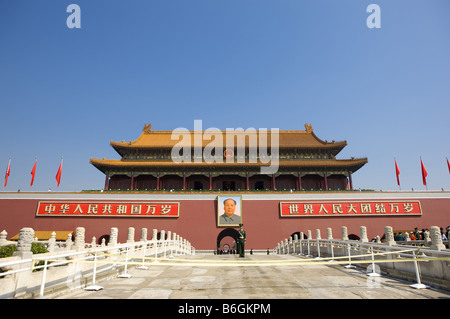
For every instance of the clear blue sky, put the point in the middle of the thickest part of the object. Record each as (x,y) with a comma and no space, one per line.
(231,63)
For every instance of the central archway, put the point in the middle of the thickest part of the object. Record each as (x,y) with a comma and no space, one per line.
(228,232)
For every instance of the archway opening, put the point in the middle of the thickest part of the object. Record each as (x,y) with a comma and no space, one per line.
(226,241)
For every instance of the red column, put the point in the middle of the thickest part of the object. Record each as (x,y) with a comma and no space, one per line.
(132,182)
(299,182)
(184,182)
(326,181)
(350,180)
(210,182)
(247,182)
(157,183)
(106,182)
(274,187)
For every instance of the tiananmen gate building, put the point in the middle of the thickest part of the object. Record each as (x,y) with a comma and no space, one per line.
(281,183)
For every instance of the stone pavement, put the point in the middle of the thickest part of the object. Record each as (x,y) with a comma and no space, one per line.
(259,282)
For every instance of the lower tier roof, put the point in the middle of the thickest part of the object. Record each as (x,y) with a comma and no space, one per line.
(349,164)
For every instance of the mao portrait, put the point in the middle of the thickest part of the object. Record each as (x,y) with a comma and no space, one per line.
(229,210)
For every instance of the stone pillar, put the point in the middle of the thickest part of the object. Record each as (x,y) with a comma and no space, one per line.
(302,235)
(162,235)
(52,243)
(26,236)
(79,238)
(329,233)
(363,234)
(426,238)
(155,234)
(318,234)
(23,251)
(113,235)
(295,242)
(130,238)
(436,238)
(94,242)
(3,236)
(69,242)
(389,235)
(144,234)
(308,234)
(344,233)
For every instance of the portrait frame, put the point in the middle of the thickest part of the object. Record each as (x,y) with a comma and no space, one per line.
(222,219)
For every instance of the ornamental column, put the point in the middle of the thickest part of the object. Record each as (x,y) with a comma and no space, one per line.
(210,182)
(132,182)
(326,181)
(350,180)
(300,182)
(247,182)
(184,181)
(273,182)
(106,182)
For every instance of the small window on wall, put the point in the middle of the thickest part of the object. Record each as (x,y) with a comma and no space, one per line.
(198,185)
(259,185)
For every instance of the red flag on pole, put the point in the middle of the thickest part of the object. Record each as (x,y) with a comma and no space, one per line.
(448,164)
(424,173)
(58,175)
(397,173)
(8,170)
(33,172)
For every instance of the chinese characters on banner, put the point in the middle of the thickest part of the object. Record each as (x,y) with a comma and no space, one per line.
(350,208)
(115,209)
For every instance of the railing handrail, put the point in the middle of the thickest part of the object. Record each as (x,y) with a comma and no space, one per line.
(375,245)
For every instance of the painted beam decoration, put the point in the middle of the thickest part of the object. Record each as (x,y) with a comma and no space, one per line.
(112,209)
(350,208)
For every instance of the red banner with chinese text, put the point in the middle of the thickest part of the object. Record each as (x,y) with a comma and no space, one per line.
(113,209)
(350,208)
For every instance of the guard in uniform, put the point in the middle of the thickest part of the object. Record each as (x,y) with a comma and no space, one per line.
(241,240)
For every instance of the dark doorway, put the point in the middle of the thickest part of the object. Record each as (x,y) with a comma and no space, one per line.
(228,242)
(229,186)
(198,186)
(259,185)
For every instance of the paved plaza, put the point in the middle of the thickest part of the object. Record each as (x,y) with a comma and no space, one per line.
(201,280)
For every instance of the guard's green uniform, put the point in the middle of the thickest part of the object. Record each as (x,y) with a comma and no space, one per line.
(241,241)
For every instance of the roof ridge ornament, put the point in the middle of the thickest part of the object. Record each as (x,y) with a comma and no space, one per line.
(309,128)
(147,128)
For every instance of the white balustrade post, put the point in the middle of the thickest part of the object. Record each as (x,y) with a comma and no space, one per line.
(44,276)
(373,273)
(318,236)
(125,274)
(349,266)
(419,284)
(308,234)
(302,237)
(94,275)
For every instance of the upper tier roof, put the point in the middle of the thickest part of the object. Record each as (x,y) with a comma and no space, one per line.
(287,139)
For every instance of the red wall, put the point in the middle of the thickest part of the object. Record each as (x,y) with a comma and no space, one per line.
(197,221)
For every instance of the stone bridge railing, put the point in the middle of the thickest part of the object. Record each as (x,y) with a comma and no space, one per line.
(75,264)
(425,260)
